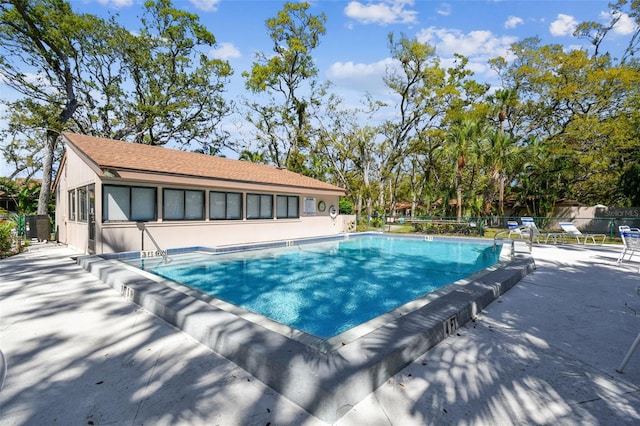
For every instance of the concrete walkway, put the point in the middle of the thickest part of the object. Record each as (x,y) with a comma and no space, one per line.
(545,353)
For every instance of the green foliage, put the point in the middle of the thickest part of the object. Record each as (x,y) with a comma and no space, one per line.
(630,184)
(27,199)
(345,206)
(6,237)
(283,122)
(564,123)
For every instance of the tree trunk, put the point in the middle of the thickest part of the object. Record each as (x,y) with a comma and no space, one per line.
(47,171)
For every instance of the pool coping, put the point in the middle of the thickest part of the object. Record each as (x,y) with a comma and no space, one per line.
(327,382)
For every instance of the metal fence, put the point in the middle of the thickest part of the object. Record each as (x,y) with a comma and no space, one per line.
(479,225)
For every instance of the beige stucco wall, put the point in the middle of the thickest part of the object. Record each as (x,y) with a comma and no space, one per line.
(74,173)
(128,237)
(112,237)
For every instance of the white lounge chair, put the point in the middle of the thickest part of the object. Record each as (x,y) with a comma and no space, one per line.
(571,230)
(516,229)
(531,228)
(631,241)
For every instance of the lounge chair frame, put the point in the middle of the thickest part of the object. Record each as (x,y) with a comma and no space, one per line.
(570,230)
(631,240)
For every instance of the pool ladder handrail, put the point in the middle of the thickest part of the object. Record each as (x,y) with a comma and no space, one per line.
(165,257)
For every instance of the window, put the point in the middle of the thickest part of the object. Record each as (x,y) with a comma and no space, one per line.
(182,204)
(82,204)
(287,206)
(259,206)
(72,204)
(128,203)
(225,205)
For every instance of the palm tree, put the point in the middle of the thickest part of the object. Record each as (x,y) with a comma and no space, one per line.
(504,155)
(252,156)
(506,99)
(460,135)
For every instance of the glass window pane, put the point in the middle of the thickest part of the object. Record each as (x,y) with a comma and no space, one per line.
(72,204)
(293,206)
(116,203)
(281,206)
(143,204)
(194,205)
(173,204)
(266,206)
(234,206)
(253,206)
(82,203)
(217,205)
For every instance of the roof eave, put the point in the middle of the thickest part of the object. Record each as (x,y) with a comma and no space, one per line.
(145,175)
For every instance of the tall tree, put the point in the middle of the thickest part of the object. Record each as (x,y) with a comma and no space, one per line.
(462,136)
(85,74)
(287,79)
(39,40)
(156,84)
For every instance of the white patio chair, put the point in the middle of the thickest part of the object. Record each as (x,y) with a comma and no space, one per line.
(571,230)
(531,228)
(631,240)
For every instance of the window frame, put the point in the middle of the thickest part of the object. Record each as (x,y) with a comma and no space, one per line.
(83,204)
(260,198)
(287,198)
(72,197)
(184,204)
(226,205)
(129,214)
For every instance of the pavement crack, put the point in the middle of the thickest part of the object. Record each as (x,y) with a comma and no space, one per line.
(151,375)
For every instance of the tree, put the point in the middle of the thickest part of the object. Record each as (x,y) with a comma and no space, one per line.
(156,85)
(461,136)
(85,74)
(596,32)
(582,108)
(283,122)
(41,63)
(251,156)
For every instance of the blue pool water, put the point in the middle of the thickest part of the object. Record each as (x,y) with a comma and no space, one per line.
(327,288)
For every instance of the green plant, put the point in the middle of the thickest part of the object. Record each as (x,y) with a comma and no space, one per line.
(345,206)
(6,237)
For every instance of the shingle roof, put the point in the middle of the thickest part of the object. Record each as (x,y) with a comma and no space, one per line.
(120,155)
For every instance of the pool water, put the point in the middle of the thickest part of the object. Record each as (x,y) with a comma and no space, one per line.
(327,288)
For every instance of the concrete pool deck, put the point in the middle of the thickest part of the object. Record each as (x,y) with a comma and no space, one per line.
(545,352)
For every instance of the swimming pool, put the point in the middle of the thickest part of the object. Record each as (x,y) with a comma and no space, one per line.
(327,288)
(324,376)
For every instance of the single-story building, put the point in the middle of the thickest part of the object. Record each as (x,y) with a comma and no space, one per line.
(114,196)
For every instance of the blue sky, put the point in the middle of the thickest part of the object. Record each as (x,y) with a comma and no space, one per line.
(354,54)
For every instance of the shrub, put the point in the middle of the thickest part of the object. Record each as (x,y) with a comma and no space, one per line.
(6,237)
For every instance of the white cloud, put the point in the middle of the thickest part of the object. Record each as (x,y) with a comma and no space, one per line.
(477,46)
(444,9)
(116,3)
(513,21)
(225,51)
(563,25)
(625,25)
(383,12)
(359,76)
(205,5)
(473,44)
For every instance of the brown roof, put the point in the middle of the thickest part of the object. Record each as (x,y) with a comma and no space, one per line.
(120,155)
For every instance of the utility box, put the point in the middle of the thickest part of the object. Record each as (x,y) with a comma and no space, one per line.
(38,226)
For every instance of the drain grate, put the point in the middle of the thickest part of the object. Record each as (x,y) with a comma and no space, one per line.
(127,292)
(450,326)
